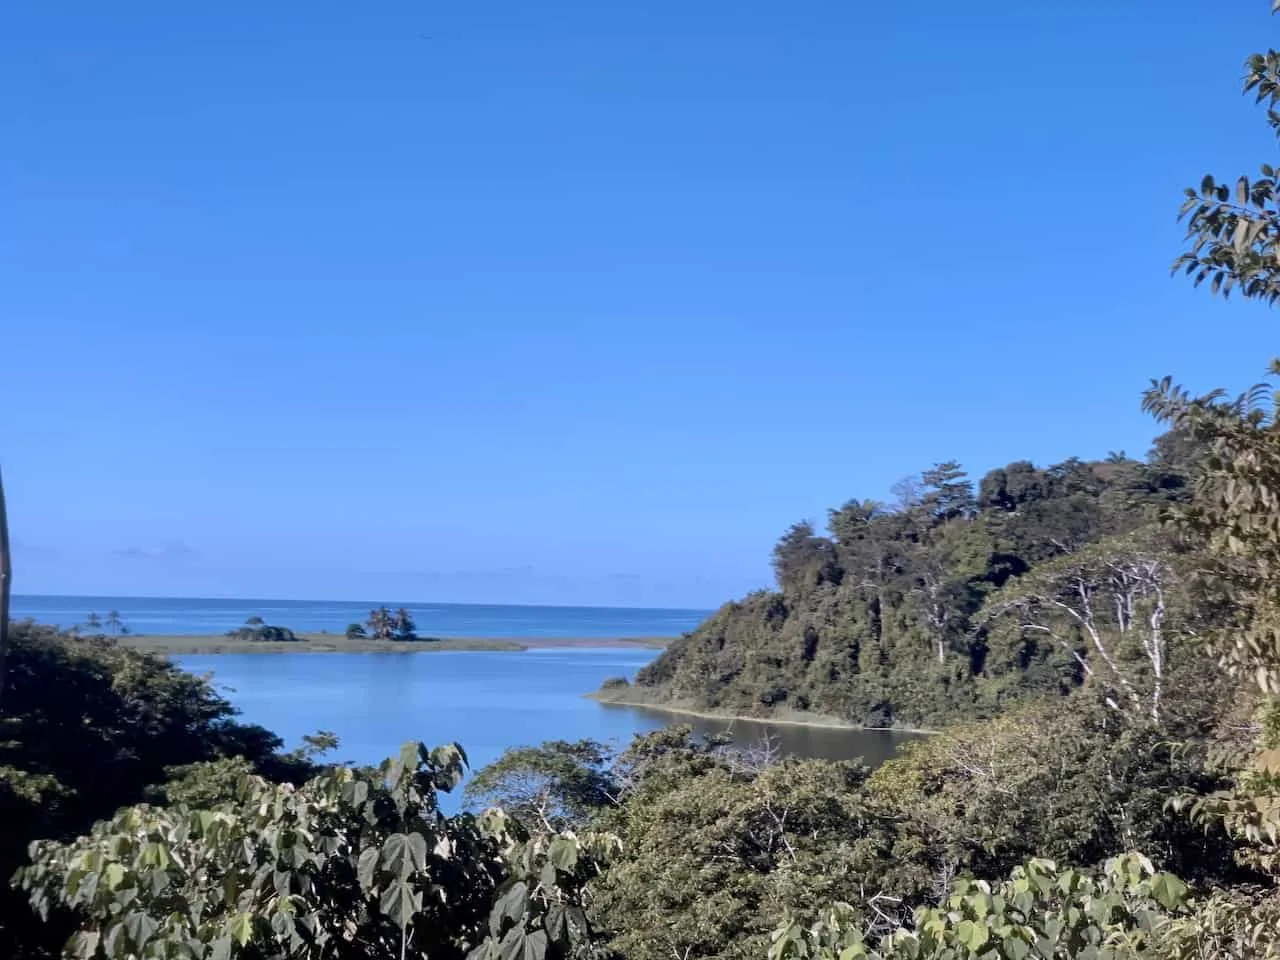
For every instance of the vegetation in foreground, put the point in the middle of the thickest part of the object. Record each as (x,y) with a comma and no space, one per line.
(1124,802)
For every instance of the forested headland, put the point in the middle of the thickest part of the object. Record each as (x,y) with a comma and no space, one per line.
(1099,643)
(953,602)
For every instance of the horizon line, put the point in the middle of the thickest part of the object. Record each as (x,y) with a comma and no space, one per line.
(377,603)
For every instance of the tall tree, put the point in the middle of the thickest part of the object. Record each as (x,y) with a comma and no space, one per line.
(405,628)
(1108,607)
(802,559)
(948,494)
(1233,241)
(381,624)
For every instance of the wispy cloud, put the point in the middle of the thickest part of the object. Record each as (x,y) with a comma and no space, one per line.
(33,549)
(496,573)
(169,550)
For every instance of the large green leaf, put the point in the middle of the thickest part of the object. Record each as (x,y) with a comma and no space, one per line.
(511,906)
(403,854)
(519,944)
(557,923)
(1168,890)
(367,867)
(564,854)
(240,928)
(399,902)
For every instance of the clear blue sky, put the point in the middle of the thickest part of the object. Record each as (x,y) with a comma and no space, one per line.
(579,302)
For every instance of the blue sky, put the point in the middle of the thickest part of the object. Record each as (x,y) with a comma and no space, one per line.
(577,302)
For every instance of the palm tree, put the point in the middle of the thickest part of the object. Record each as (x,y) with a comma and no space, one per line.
(381,624)
(114,622)
(93,622)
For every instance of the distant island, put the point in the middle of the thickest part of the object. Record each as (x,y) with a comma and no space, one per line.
(181,644)
(384,631)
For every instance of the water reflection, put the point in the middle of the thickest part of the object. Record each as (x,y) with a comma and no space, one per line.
(872,747)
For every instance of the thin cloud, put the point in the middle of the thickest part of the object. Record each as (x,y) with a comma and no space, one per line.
(169,550)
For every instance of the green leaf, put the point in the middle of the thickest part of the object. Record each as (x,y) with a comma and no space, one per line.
(409,754)
(515,902)
(399,902)
(1169,891)
(240,929)
(557,923)
(418,851)
(139,928)
(972,935)
(548,875)
(564,854)
(367,866)
(113,875)
(84,944)
(402,854)
(535,945)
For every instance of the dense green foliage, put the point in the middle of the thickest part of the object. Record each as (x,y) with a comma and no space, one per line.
(89,726)
(383,624)
(557,784)
(884,621)
(256,629)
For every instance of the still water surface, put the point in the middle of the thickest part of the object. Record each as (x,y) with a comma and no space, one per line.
(485,700)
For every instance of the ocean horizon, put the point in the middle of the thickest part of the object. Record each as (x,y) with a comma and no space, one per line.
(208,616)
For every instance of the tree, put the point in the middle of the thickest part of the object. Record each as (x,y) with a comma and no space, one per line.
(405,628)
(803,560)
(352,864)
(1233,231)
(381,624)
(1042,912)
(93,622)
(119,724)
(1101,606)
(947,495)
(712,854)
(557,784)
(114,623)
(356,631)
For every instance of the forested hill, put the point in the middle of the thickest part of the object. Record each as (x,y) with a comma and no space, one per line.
(882,620)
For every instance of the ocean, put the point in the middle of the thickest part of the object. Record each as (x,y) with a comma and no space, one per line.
(193,616)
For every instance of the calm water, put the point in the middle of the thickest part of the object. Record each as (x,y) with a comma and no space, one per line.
(485,700)
(193,616)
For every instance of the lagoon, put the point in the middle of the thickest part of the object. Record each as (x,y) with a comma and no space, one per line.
(487,701)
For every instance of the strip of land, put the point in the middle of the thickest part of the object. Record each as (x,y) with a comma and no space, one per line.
(626,696)
(181,644)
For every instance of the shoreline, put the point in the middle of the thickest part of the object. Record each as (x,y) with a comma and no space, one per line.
(316,643)
(817,720)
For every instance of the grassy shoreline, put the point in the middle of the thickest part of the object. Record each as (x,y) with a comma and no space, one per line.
(171,645)
(794,718)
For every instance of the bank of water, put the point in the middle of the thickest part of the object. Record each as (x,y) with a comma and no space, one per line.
(485,700)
